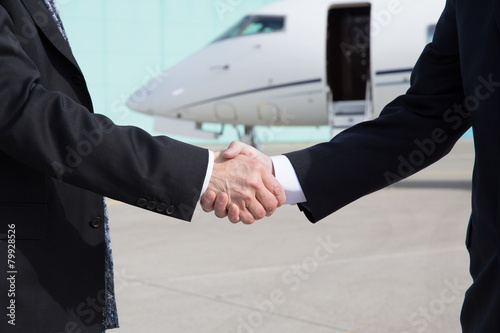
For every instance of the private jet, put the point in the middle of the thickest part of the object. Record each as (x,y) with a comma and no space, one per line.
(294,63)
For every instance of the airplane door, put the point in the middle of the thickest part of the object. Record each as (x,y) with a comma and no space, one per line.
(348,66)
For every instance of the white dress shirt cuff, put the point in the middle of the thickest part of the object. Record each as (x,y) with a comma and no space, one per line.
(286,176)
(210,168)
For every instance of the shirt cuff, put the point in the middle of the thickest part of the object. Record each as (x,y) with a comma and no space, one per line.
(210,168)
(286,176)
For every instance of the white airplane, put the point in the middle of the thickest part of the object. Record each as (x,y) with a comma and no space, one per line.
(295,63)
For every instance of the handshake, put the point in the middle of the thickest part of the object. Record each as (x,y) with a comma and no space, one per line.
(242,186)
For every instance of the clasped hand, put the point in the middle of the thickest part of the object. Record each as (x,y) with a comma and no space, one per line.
(242,186)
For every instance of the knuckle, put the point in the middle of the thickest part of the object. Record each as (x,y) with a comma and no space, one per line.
(271,205)
(220,214)
(277,190)
(247,219)
(247,197)
(260,215)
(206,209)
(219,207)
(257,166)
(234,218)
(253,180)
(270,212)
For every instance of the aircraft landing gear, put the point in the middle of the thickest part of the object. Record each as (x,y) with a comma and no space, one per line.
(250,137)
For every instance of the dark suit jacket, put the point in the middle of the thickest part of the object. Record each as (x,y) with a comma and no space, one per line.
(455,85)
(57,160)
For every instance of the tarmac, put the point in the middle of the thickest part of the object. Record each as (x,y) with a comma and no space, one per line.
(394,261)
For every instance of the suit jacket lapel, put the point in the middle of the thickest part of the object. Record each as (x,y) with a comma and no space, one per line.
(44,21)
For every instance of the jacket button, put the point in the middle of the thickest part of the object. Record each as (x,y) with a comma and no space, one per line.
(96,223)
(77,79)
(161,208)
(170,210)
(151,205)
(142,202)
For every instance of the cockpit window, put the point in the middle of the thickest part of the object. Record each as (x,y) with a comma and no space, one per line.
(252,25)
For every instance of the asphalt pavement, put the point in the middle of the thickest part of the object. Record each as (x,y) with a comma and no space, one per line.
(393,261)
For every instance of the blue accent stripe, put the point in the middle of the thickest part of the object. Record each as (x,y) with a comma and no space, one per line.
(392,83)
(285,85)
(394,71)
(346,113)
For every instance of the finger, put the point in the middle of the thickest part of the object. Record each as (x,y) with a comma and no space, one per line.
(246,217)
(234,214)
(268,203)
(236,148)
(233,150)
(208,200)
(220,206)
(272,184)
(265,197)
(256,209)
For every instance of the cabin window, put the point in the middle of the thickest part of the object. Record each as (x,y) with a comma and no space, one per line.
(252,25)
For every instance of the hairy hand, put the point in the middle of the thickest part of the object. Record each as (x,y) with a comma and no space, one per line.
(242,186)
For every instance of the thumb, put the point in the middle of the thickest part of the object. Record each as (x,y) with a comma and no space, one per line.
(233,150)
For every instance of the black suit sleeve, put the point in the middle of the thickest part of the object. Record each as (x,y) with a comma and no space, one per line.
(51,132)
(411,133)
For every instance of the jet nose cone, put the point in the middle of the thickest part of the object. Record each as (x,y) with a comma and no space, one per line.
(145,98)
(138,100)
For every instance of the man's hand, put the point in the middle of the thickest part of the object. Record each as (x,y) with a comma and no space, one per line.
(242,186)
